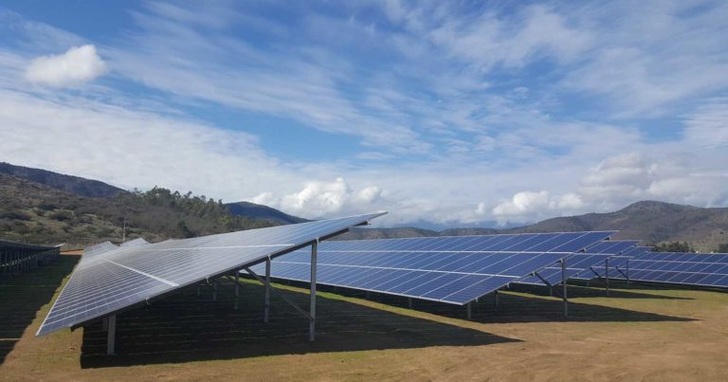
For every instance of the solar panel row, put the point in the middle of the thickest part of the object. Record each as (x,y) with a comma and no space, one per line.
(113,279)
(579,263)
(454,270)
(676,268)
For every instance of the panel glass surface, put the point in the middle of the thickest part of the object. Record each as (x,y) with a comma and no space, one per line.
(699,269)
(112,279)
(453,270)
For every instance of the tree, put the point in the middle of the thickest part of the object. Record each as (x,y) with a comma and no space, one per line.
(184,231)
(723,248)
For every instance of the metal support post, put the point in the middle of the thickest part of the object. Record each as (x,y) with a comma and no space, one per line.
(111,334)
(214,291)
(563,283)
(236,305)
(497,301)
(627,273)
(198,289)
(409,302)
(606,274)
(469,311)
(266,302)
(312,308)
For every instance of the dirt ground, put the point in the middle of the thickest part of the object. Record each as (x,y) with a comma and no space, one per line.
(637,333)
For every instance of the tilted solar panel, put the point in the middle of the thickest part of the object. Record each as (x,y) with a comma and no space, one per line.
(575,264)
(135,242)
(114,280)
(618,265)
(700,269)
(97,249)
(454,270)
(578,264)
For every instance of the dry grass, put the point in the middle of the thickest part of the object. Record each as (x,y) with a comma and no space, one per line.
(636,334)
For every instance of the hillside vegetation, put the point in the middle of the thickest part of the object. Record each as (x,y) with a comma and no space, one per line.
(36,213)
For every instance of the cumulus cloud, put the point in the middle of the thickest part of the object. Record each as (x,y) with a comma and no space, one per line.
(522,203)
(76,66)
(319,199)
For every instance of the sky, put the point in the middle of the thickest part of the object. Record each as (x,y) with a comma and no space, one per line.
(448,113)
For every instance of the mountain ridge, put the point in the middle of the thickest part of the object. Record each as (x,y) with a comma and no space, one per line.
(24,190)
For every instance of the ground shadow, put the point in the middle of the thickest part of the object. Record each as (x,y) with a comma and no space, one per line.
(594,289)
(21,296)
(650,285)
(186,327)
(510,308)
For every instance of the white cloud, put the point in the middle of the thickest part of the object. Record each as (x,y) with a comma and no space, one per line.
(74,67)
(319,199)
(447,120)
(522,203)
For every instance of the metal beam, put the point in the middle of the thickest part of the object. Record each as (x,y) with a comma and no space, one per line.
(111,334)
(236,305)
(281,295)
(606,274)
(266,302)
(627,273)
(312,304)
(563,284)
(548,284)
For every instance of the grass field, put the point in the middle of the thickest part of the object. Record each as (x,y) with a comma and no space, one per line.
(638,333)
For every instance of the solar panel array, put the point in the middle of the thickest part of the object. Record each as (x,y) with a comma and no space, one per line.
(113,279)
(578,263)
(702,269)
(617,264)
(453,270)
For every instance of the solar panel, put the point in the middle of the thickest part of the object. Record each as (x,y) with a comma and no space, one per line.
(617,264)
(97,249)
(575,265)
(579,263)
(134,243)
(613,247)
(453,270)
(120,278)
(700,269)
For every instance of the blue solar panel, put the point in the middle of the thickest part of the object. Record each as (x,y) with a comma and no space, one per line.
(575,265)
(617,264)
(698,269)
(614,247)
(578,264)
(112,279)
(447,269)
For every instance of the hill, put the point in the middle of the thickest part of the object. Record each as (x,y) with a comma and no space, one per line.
(36,213)
(71,184)
(44,207)
(650,221)
(257,211)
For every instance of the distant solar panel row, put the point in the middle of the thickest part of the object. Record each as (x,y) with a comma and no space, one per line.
(579,263)
(454,270)
(113,279)
(676,268)
(617,264)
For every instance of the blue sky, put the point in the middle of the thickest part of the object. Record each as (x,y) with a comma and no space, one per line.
(453,113)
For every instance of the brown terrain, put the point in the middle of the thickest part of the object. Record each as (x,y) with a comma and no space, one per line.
(637,333)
